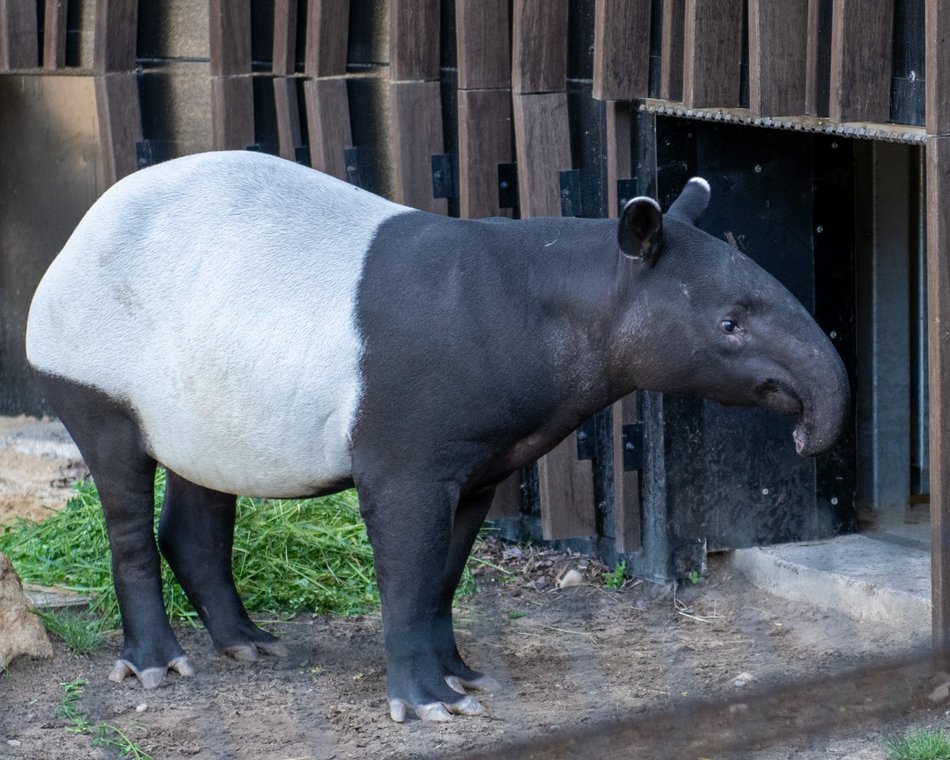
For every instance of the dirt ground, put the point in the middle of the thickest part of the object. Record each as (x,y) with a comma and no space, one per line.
(572,659)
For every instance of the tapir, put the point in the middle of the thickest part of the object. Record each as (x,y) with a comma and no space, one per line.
(263,329)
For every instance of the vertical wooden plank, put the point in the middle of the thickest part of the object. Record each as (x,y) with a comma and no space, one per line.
(327,36)
(778,42)
(811,58)
(621,49)
(484,119)
(328,124)
(18,34)
(627,525)
(54,34)
(938,336)
(229,23)
(120,123)
(567,492)
(861,45)
(232,112)
(289,136)
(619,123)
(712,41)
(285,37)
(416,137)
(937,35)
(542,142)
(482,39)
(114,42)
(539,46)
(413,40)
(671,53)
(507,501)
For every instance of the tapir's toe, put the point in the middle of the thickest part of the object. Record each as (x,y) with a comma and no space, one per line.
(150,677)
(437,712)
(482,683)
(251,651)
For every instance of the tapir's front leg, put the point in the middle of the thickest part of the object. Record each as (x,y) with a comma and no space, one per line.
(409,522)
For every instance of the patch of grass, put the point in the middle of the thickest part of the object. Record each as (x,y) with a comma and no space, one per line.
(616,577)
(922,745)
(103,734)
(81,631)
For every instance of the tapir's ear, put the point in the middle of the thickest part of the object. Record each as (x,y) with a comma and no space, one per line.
(641,229)
(692,201)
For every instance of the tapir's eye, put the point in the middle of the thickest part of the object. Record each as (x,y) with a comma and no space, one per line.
(729,326)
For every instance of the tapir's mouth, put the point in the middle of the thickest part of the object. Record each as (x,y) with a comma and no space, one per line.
(774,394)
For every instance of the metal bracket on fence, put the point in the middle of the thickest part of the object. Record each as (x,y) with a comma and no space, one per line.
(508,185)
(631,438)
(626,192)
(572,199)
(444,175)
(143,154)
(586,440)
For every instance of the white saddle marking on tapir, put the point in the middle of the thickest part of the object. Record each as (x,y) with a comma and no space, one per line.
(215,295)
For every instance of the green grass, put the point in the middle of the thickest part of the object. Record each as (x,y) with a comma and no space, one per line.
(922,745)
(103,734)
(81,631)
(616,577)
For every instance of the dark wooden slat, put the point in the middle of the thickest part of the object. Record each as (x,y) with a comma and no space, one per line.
(285,37)
(289,136)
(778,41)
(18,34)
(328,124)
(114,43)
(627,519)
(327,36)
(712,41)
(861,44)
(484,123)
(566,489)
(54,34)
(482,38)
(229,24)
(938,319)
(671,55)
(542,143)
(413,40)
(937,14)
(120,124)
(811,58)
(507,501)
(416,137)
(232,112)
(619,156)
(621,49)
(539,46)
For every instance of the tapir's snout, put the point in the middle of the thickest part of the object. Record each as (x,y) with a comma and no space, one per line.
(824,393)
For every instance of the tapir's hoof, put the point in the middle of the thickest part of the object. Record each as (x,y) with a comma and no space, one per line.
(251,651)
(150,677)
(437,711)
(482,683)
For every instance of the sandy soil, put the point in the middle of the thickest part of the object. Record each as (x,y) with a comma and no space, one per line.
(567,660)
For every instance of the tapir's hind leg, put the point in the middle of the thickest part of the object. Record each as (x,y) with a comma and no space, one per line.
(108,438)
(196,533)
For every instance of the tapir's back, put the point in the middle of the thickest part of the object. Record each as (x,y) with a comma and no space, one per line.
(214,296)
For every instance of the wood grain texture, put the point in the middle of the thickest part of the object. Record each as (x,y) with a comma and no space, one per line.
(485,140)
(712,56)
(627,518)
(289,134)
(232,112)
(671,53)
(413,40)
(54,34)
(483,42)
(285,37)
(619,124)
(938,318)
(542,145)
(328,124)
(861,45)
(416,136)
(229,32)
(811,58)
(116,27)
(621,49)
(778,41)
(566,490)
(327,36)
(539,46)
(507,501)
(120,124)
(19,46)
(937,40)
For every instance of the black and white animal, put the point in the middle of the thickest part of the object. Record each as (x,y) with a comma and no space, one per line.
(260,328)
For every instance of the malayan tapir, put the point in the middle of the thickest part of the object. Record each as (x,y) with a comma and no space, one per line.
(261,328)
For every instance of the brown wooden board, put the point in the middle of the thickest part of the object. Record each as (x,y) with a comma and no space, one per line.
(19,46)
(54,34)
(671,53)
(485,140)
(116,26)
(413,40)
(861,44)
(483,42)
(542,144)
(229,28)
(289,136)
(232,112)
(712,41)
(566,490)
(619,156)
(539,46)
(938,318)
(778,41)
(621,49)
(416,137)
(937,55)
(328,124)
(811,58)
(285,37)
(120,124)
(507,501)
(327,37)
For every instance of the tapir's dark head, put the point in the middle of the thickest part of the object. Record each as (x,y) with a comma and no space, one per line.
(715,324)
